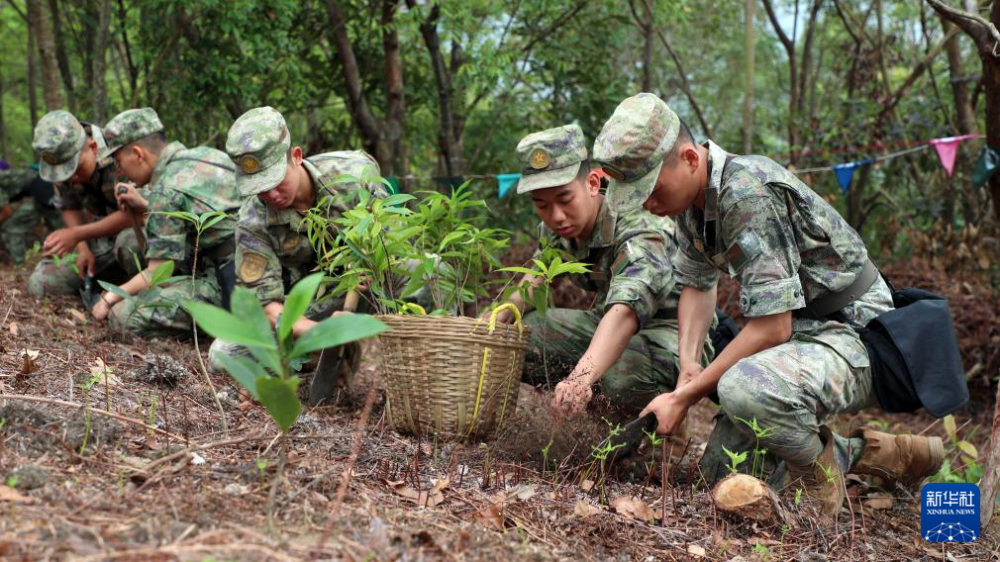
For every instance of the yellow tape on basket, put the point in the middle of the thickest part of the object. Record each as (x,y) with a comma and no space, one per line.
(491,327)
(412,307)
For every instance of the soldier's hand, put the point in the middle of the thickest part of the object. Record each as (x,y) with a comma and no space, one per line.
(128,196)
(688,373)
(85,264)
(571,397)
(670,410)
(101,309)
(60,242)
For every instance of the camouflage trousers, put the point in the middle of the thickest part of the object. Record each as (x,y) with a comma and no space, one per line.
(158,311)
(18,230)
(114,262)
(647,367)
(316,311)
(790,390)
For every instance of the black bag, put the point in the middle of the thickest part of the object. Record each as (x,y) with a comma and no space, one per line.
(914,355)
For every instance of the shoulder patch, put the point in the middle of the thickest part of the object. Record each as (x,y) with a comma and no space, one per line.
(252,267)
(746,247)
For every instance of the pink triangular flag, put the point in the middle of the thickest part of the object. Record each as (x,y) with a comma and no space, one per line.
(947,151)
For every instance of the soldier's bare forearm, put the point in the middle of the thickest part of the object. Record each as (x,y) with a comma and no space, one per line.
(107,226)
(610,340)
(694,317)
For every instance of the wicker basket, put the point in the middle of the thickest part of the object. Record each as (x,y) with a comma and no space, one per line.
(455,378)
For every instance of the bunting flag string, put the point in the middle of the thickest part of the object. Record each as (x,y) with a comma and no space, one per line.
(946,149)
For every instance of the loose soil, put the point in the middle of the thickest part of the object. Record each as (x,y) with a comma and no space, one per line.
(95,487)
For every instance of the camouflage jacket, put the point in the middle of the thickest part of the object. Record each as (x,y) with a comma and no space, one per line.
(272,249)
(14,184)
(197,180)
(97,194)
(629,257)
(781,241)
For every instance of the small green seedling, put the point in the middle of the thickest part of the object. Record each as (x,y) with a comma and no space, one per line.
(262,469)
(735,459)
(798,497)
(86,386)
(759,454)
(12,481)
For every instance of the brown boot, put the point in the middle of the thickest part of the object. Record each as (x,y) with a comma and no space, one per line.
(903,458)
(821,481)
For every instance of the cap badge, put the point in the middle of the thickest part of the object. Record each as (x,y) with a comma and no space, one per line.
(249,165)
(50,158)
(539,159)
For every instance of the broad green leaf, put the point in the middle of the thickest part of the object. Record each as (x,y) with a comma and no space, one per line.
(337,330)
(248,309)
(163,271)
(114,289)
(279,397)
(297,302)
(213,221)
(398,199)
(517,269)
(245,371)
(225,326)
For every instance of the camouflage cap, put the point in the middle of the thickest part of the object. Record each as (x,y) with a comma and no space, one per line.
(59,139)
(130,126)
(550,158)
(258,144)
(631,148)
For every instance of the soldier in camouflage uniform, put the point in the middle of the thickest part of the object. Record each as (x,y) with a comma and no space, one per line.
(174,179)
(96,229)
(788,369)
(20,212)
(627,342)
(279,187)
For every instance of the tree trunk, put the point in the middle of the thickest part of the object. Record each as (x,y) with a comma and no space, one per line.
(357,104)
(32,77)
(647,56)
(64,69)
(793,81)
(3,128)
(450,156)
(748,20)
(38,15)
(99,86)
(395,115)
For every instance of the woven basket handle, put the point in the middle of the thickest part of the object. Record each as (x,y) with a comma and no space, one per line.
(492,326)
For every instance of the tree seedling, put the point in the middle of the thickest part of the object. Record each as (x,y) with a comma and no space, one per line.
(735,459)
(269,376)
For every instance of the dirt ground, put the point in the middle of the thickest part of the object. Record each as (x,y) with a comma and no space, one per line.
(111,487)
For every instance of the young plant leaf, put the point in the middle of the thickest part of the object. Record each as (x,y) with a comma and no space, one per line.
(337,330)
(296,302)
(279,397)
(114,289)
(222,325)
(245,371)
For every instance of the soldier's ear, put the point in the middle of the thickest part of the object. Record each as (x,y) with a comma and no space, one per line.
(594,182)
(296,155)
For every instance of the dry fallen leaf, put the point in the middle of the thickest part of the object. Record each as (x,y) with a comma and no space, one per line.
(880,502)
(587,485)
(695,550)
(491,516)
(584,509)
(521,492)
(105,373)
(29,366)
(13,329)
(8,494)
(633,508)
(424,498)
(78,315)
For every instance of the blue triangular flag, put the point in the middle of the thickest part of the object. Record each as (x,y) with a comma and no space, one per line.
(845,172)
(506,181)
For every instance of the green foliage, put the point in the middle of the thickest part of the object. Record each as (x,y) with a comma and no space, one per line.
(759,454)
(269,376)
(735,459)
(398,252)
(538,294)
(961,464)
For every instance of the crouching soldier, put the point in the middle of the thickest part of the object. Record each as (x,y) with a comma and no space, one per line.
(279,187)
(627,342)
(174,179)
(25,199)
(73,157)
(805,278)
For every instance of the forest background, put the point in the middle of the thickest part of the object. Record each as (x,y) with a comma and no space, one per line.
(446,89)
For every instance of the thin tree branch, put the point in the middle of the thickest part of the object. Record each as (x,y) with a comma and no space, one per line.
(982,31)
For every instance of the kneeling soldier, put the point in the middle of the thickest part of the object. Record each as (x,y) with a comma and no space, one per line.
(627,342)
